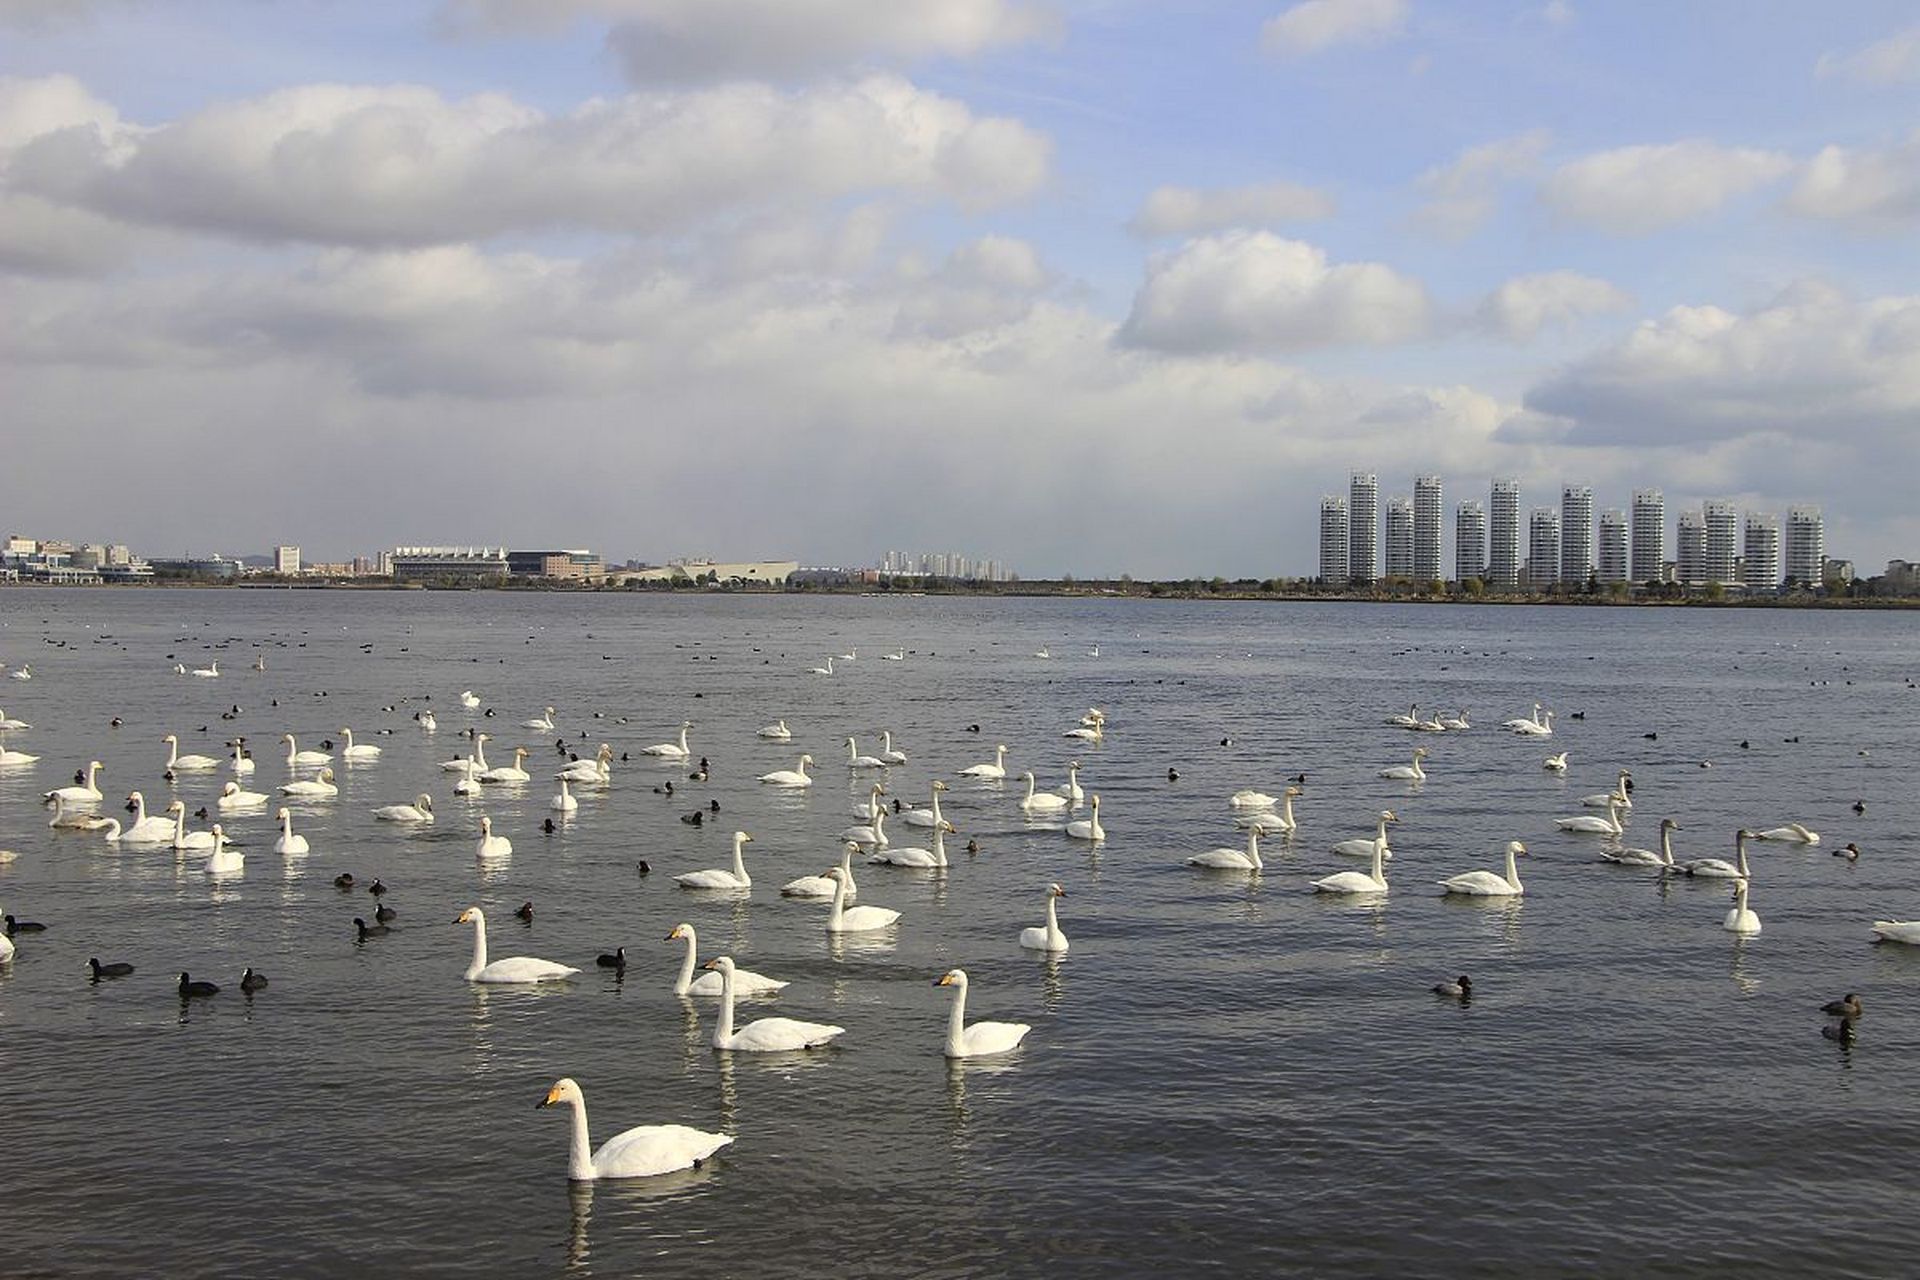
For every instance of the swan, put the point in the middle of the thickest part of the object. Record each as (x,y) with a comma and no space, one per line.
(1586,822)
(1089,828)
(469,699)
(470,783)
(1409,772)
(428,722)
(1542,730)
(998,769)
(887,753)
(851,655)
(745,982)
(1042,801)
(360,752)
(1742,919)
(145,828)
(26,672)
(109,829)
(1047,937)
(822,886)
(241,763)
(1907,931)
(289,843)
(6,948)
(177,762)
(1555,763)
(80,793)
(75,820)
(1042,652)
(1267,822)
(296,757)
(672,750)
(643,1151)
(597,771)
(319,786)
(14,757)
(1096,731)
(509,772)
(721,877)
(821,671)
(1071,789)
(491,845)
(1524,724)
(1720,868)
(514,969)
(459,763)
(421,810)
(1646,857)
(12,725)
(1486,884)
(845,919)
(982,1039)
(542,722)
(1364,848)
(775,732)
(870,808)
(898,655)
(794,777)
(857,761)
(909,856)
(1224,859)
(874,834)
(564,802)
(1792,833)
(766,1035)
(225,860)
(1411,720)
(1373,881)
(1618,795)
(930,816)
(185,839)
(1094,716)
(1250,799)
(1455,722)
(209,672)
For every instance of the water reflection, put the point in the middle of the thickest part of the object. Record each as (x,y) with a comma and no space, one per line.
(1742,973)
(1052,989)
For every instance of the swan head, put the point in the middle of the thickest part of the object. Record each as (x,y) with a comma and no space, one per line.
(680,931)
(284,815)
(805,760)
(1668,824)
(178,806)
(229,788)
(520,753)
(722,964)
(486,825)
(326,775)
(483,737)
(741,837)
(423,802)
(1293,791)
(173,738)
(1095,800)
(1515,847)
(835,873)
(1419,751)
(952,978)
(564,1090)
(941,786)
(1388,815)
(851,848)
(472,915)
(1055,891)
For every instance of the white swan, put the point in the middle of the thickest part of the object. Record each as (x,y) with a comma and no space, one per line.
(1524,724)
(898,655)
(794,777)
(821,671)
(459,763)
(766,1035)
(672,750)
(491,845)
(822,886)
(887,752)
(185,839)
(1267,822)
(564,802)
(721,877)
(1741,919)
(469,699)
(289,843)
(319,786)
(1487,884)
(296,757)
(1248,798)
(1456,722)
(1720,868)
(775,732)
(1048,936)
(1619,796)
(225,860)
(428,722)
(982,1039)
(24,673)
(595,772)
(644,1151)
(542,722)
(361,751)
(1586,822)
(76,819)
(1411,720)
(1043,801)
(209,672)
(930,816)
(1042,652)
(1091,729)
(80,793)
(1663,857)
(1544,729)
(857,761)
(241,763)
(1409,772)
(910,856)
(1359,848)
(874,833)
(1224,859)
(1373,881)
(109,829)
(514,969)
(1088,828)
(745,982)
(8,757)
(1072,789)
(12,725)
(421,810)
(1555,763)
(470,783)
(845,919)
(514,772)
(1792,833)
(145,828)
(1907,931)
(998,769)
(6,948)
(871,808)
(177,762)
(851,655)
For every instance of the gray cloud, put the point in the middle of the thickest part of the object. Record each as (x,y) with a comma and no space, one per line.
(1865,184)
(1519,309)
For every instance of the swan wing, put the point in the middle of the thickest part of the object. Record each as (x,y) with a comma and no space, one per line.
(1348,882)
(1222,859)
(769,1035)
(1477,882)
(982,1038)
(1907,931)
(716,878)
(647,1150)
(524,969)
(864,919)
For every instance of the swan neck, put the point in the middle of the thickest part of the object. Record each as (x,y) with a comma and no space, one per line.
(957,1021)
(1286,812)
(1053,920)
(723,1029)
(739,864)
(685,982)
(1379,857)
(1513,872)
(479,946)
(580,1154)
(939,846)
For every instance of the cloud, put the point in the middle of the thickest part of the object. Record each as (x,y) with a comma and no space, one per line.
(1895,60)
(1253,291)
(1519,309)
(1460,197)
(987,284)
(401,165)
(1557,13)
(1639,189)
(1864,184)
(1316,25)
(1189,210)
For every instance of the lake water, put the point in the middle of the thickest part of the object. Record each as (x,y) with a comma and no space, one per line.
(1225,1074)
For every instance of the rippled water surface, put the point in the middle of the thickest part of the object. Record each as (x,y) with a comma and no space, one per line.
(1226,1073)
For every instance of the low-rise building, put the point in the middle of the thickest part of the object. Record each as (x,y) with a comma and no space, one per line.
(723,573)
(449,564)
(571,565)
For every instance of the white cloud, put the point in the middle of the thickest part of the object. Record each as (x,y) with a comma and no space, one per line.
(990,283)
(1314,25)
(1557,13)
(1895,60)
(1187,210)
(401,165)
(1254,291)
(1461,196)
(1522,307)
(1639,189)
(1866,184)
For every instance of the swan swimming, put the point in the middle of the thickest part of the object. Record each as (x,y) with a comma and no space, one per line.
(1363,848)
(1619,796)
(491,845)
(672,750)
(1720,868)
(296,757)
(241,763)
(1267,822)
(794,777)
(776,732)
(1409,772)
(75,819)
(8,757)
(721,877)
(887,753)
(982,1039)
(362,751)
(874,833)
(1588,824)
(845,919)
(177,762)
(469,699)
(745,982)
(288,842)
(998,769)
(1088,828)
(871,808)
(595,772)
(1224,859)
(857,761)
(1556,763)
(821,671)
(1071,789)
(1792,833)
(930,816)
(459,764)
(1487,884)
(320,786)
(185,839)
(1741,919)
(146,828)
(421,810)
(1542,729)
(822,886)
(1092,727)
(1374,881)
(1524,724)
(643,1151)
(1907,931)
(1047,937)
(542,723)
(512,970)
(1042,801)
(515,772)
(911,856)
(81,793)
(225,860)
(1646,857)
(767,1035)
(564,802)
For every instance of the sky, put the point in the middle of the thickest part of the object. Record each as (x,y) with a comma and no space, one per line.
(1088,286)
